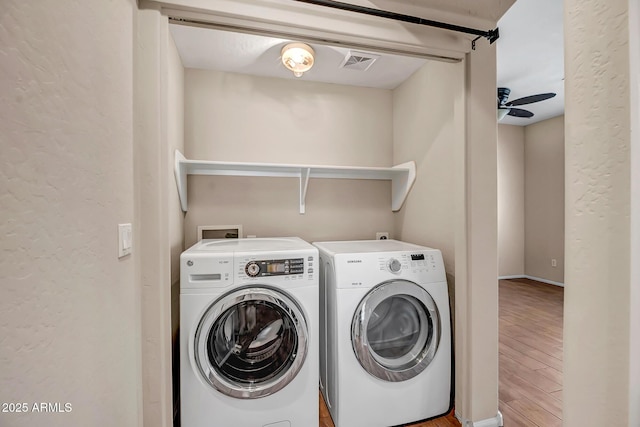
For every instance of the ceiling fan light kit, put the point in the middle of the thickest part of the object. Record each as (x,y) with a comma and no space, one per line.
(507,108)
(502,112)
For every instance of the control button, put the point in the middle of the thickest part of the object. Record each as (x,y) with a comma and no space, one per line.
(310,258)
(394,265)
(252,269)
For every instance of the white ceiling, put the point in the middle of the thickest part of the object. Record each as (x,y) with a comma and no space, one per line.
(530,57)
(211,49)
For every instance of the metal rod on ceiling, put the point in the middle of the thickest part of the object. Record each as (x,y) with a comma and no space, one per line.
(308,39)
(491,35)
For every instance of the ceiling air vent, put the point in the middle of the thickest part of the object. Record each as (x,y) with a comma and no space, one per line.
(359,60)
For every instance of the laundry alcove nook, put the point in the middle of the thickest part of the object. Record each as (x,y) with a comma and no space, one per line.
(224,116)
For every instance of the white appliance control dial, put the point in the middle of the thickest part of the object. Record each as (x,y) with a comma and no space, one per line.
(394,265)
(252,269)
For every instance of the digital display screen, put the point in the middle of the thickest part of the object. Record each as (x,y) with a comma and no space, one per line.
(278,267)
(417,257)
(275,267)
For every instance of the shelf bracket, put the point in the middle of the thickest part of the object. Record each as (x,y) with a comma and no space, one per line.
(180,172)
(401,185)
(304,184)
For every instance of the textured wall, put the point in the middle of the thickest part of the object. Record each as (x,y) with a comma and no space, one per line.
(634,354)
(153,181)
(424,131)
(511,213)
(233,117)
(598,283)
(175,139)
(175,136)
(69,308)
(544,199)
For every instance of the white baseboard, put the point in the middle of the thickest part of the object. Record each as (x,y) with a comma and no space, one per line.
(537,279)
(514,276)
(489,422)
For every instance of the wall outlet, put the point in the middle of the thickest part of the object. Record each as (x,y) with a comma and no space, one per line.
(125,240)
(554,263)
(382,235)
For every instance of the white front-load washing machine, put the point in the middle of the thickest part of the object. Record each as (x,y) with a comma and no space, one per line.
(249,333)
(385,337)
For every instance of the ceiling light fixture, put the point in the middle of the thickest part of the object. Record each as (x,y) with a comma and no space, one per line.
(502,112)
(298,57)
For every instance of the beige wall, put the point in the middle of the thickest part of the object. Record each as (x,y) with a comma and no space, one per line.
(598,198)
(424,130)
(154,184)
(476,243)
(531,200)
(175,141)
(634,300)
(70,309)
(544,199)
(511,196)
(233,117)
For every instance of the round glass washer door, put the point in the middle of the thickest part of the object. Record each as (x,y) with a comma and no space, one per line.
(251,342)
(396,330)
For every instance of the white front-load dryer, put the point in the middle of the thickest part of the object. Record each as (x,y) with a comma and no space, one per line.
(385,338)
(249,333)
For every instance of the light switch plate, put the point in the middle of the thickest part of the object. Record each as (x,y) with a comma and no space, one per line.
(125,240)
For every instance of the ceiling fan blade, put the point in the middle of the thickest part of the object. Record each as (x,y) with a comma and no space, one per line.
(519,112)
(530,99)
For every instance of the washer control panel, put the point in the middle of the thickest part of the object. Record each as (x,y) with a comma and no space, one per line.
(274,267)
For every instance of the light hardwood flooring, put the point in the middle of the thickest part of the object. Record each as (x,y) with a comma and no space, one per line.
(530,357)
(446,421)
(530,353)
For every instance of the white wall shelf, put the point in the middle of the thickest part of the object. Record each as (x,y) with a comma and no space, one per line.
(401,176)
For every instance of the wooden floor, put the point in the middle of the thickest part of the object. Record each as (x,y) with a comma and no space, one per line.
(530,357)
(530,353)
(447,421)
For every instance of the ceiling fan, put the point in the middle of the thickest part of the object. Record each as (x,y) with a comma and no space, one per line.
(506,108)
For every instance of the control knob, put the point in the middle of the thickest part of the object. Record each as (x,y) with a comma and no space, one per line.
(252,269)
(394,265)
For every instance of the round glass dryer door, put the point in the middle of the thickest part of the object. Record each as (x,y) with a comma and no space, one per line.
(251,342)
(395,330)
